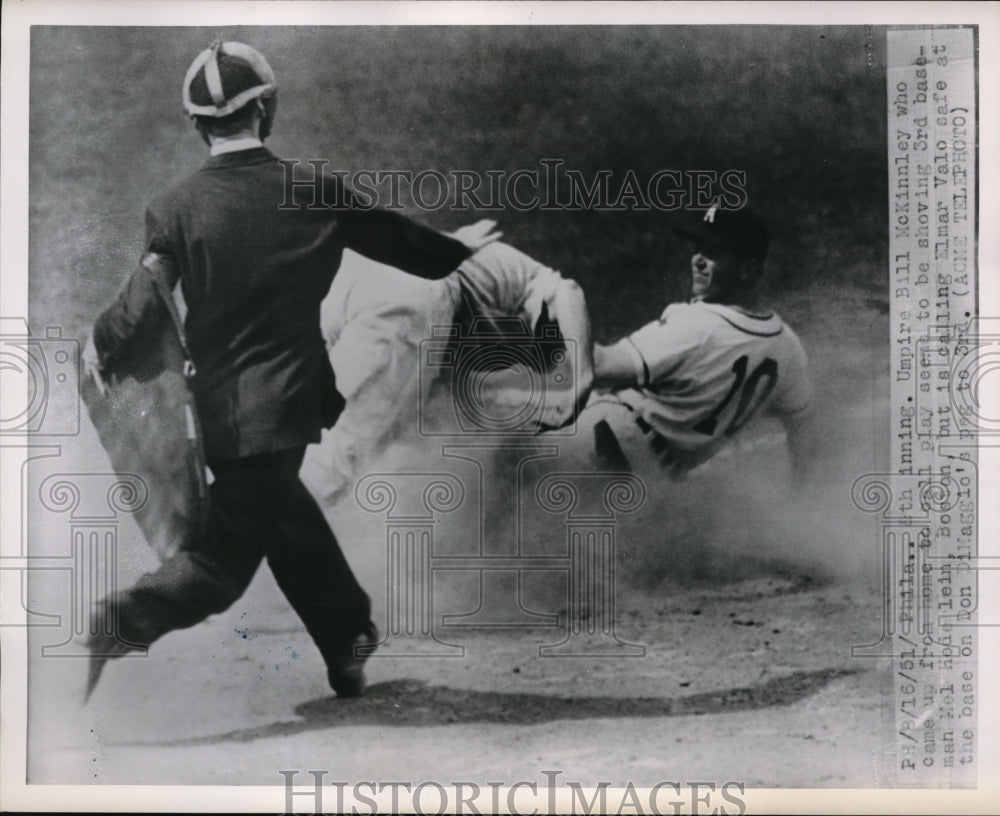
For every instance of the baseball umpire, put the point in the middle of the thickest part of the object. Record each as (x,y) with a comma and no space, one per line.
(678,389)
(253,271)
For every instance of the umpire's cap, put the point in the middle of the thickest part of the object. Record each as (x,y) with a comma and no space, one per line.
(740,231)
(225,77)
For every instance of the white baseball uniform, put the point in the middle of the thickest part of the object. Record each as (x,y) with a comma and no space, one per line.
(375,318)
(501,282)
(704,370)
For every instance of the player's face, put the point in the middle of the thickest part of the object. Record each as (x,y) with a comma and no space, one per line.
(715,272)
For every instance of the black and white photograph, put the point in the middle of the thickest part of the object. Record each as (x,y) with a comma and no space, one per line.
(498,407)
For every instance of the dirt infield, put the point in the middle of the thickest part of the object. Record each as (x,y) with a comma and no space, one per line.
(748,682)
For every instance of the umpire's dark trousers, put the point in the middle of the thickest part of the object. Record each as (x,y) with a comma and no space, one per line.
(258,509)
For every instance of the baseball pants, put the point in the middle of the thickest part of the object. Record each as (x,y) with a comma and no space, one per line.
(613,437)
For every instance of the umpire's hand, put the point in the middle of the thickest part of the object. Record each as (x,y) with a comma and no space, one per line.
(476,236)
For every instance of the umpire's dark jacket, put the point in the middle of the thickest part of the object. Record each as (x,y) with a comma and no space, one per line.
(255,256)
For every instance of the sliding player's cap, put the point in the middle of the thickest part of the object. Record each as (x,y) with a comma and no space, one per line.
(739,231)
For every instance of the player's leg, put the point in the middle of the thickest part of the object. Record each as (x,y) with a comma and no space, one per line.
(377,362)
(314,575)
(501,262)
(376,372)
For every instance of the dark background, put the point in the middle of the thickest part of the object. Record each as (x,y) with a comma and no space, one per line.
(799,109)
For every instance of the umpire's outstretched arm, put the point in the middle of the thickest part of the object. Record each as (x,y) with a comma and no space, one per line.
(393,239)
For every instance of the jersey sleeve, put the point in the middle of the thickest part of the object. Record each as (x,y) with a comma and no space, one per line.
(794,392)
(503,280)
(660,347)
(509,277)
(541,292)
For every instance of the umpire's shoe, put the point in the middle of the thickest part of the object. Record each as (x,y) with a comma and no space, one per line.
(103,643)
(347,677)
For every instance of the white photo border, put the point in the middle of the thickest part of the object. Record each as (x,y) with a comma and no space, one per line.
(14,146)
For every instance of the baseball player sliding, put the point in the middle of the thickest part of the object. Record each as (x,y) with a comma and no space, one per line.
(672,393)
(375,319)
(669,396)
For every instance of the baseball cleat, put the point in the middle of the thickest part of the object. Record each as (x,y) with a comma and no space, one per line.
(347,679)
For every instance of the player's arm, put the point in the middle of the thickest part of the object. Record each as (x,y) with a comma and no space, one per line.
(544,300)
(651,354)
(619,366)
(574,325)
